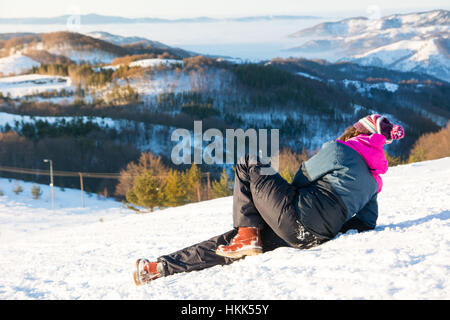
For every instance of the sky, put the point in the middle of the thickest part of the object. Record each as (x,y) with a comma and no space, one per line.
(172,9)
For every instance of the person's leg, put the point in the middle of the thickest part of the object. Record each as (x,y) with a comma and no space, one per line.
(196,257)
(202,255)
(245,213)
(261,199)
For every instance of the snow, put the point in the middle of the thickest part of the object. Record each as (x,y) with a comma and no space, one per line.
(145,63)
(172,81)
(162,82)
(307,75)
(404,49)
(89,253)
(409,55)
(16,63)
(28,84)
(83,55)
(11,119)
(21,215)
(363,87)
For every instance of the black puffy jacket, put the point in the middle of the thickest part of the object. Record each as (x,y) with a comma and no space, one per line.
(333,186)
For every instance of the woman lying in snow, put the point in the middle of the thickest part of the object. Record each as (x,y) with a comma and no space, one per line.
(334,191)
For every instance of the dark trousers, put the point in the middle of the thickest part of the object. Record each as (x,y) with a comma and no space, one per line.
(261,200)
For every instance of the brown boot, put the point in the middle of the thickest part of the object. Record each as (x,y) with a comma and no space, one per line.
(247,242)
(146,271)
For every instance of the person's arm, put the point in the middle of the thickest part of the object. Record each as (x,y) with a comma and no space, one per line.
(365,219)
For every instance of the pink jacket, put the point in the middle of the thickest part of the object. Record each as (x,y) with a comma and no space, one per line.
(371,149)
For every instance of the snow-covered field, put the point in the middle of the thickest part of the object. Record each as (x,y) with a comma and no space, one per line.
(145,63)
(89,253)
(363,87)
(11,119)
(16,63)
(28,84)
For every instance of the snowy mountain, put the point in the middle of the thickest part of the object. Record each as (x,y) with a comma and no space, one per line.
(430,56)
(89,253)
(417,42)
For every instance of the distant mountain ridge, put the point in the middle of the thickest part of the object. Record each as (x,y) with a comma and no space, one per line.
(417,42)
(96,47)
(121,40)
(101,19)
(356,25)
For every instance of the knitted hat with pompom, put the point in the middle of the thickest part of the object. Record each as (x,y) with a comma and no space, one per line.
(380,124)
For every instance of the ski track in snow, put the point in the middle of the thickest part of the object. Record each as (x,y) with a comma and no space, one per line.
(89,253)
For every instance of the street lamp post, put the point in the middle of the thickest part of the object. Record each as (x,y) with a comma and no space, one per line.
(51,182)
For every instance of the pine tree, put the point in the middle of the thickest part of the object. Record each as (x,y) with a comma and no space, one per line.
(223,187)
(147,191)
(192,180)
(174,190)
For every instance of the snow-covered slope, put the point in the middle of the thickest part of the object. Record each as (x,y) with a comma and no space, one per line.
(92,56)
(19,86)
(11,119)
(422,56)
(16,64)
(417,42)
(89,253)
(145,63)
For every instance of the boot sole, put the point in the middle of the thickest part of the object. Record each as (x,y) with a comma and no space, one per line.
(239,253)
(135,279)
(135,275)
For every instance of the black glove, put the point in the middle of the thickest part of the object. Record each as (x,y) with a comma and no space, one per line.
(355,223)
